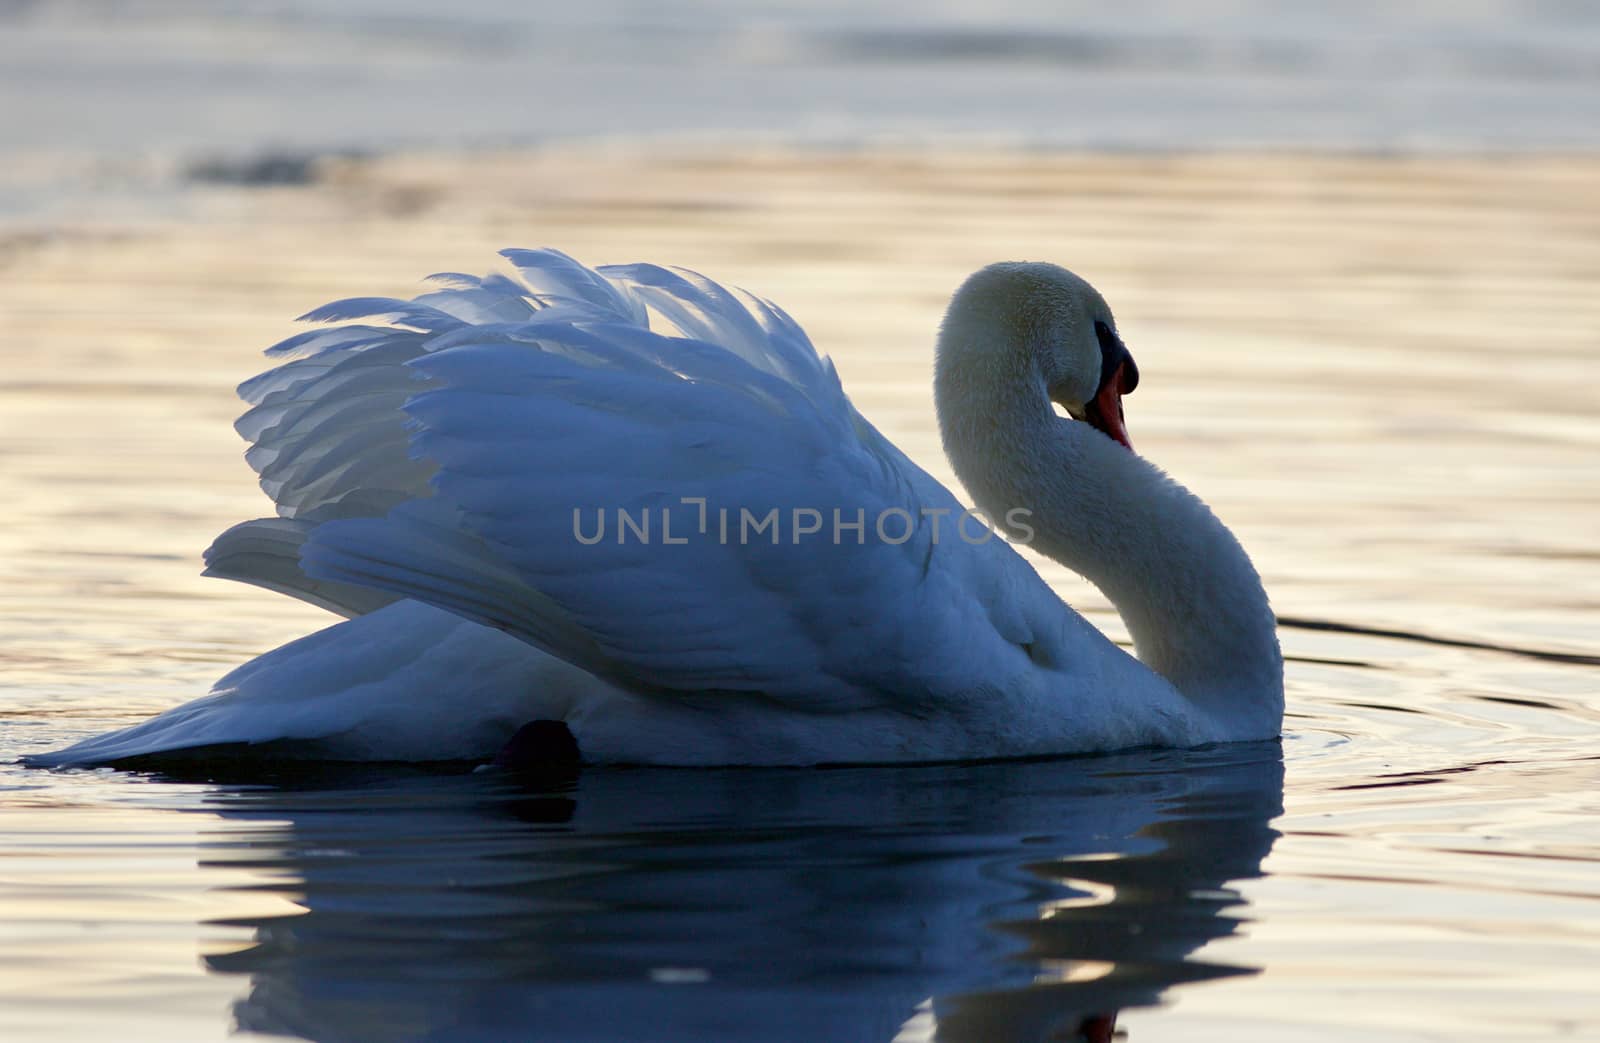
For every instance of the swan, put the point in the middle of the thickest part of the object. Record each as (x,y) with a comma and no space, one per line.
(637,504)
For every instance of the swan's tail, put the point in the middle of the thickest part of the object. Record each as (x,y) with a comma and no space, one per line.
(405,683)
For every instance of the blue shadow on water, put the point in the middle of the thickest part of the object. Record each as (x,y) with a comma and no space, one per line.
(1002,901)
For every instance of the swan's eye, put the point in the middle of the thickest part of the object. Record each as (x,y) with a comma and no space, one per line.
(1113,354)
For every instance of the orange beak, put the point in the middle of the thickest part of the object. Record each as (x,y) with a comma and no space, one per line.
(1105,412)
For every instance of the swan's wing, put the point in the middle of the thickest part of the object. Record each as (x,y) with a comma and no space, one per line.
(327,433)
(265,552)
(716,449)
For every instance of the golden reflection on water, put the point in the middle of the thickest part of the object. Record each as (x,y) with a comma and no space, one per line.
(1379,371)
(1371,367)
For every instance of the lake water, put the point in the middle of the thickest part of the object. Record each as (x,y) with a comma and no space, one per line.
(1379,371)
(1379,368)
(103,100)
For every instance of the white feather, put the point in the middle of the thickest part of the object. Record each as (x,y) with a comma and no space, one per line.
(383,686)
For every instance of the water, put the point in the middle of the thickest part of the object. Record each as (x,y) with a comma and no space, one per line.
(103,99)
(1379,369)
(1161,72)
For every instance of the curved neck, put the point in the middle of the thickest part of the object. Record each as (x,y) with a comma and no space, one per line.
(1183,585)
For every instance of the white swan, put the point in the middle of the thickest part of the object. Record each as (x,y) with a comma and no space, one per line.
(441,479)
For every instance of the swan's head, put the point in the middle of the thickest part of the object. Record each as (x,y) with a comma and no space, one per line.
(1047,326)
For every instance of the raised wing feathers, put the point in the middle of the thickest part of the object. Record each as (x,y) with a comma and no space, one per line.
(468,462)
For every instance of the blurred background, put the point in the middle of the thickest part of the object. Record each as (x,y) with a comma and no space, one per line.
(101,93)
(1354,248)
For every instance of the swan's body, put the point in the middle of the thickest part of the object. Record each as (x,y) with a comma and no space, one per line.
(440,481)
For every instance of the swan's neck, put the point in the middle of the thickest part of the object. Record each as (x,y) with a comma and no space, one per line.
(1183,585)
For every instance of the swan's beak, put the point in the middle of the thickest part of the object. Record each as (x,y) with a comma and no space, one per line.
(1105,412)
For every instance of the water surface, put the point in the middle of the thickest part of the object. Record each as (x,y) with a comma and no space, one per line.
(1378,371)
(109,100)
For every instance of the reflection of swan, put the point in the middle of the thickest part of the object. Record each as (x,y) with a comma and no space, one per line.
(1020,898)
(778,583)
